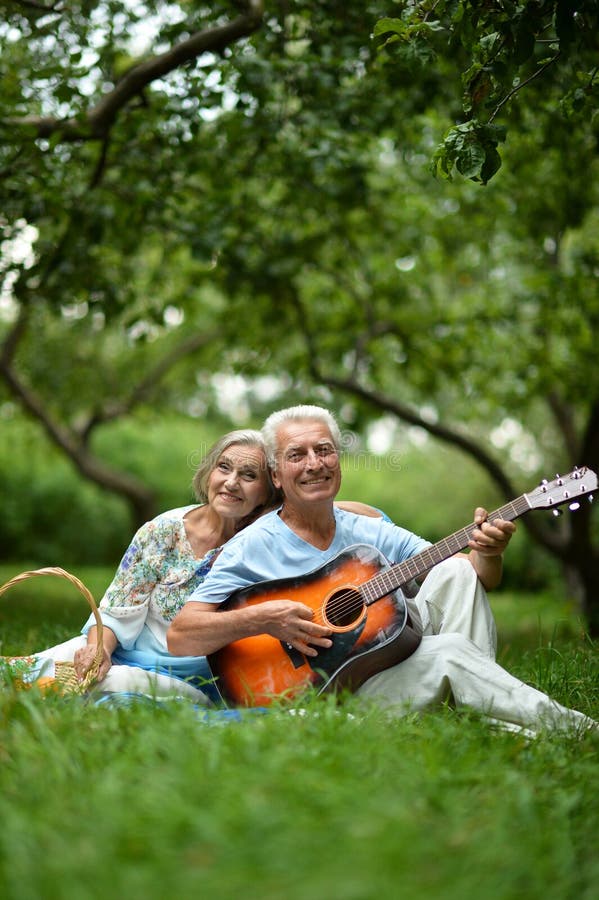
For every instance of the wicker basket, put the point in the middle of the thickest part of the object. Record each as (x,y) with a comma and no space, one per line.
(64,675)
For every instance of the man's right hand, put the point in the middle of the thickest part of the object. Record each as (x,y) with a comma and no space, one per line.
(292,623)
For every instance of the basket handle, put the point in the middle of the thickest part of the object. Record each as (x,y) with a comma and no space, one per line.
(62,573)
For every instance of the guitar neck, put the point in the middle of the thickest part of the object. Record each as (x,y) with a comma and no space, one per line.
(401,573)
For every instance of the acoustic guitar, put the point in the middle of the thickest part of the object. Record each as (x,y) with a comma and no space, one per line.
(357,594)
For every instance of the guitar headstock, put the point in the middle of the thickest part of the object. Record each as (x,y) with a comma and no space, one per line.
(564,489)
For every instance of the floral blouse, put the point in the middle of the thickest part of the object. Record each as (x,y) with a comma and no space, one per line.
(154,579)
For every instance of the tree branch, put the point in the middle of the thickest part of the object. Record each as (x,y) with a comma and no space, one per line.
(522,84)
(137,493)
(554,542)
(11,341)
(142,390)
(40,7)
(74,443)
(97,122)
(100,164)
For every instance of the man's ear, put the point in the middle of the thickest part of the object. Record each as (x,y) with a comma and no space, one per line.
(275,479)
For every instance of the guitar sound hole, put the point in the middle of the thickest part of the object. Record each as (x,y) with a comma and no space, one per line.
(344,607)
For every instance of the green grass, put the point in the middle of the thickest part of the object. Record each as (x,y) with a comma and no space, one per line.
(154,802)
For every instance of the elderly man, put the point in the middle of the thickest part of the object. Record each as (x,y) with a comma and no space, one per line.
(276,633)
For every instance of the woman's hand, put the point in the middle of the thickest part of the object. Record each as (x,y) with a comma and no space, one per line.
(84,658)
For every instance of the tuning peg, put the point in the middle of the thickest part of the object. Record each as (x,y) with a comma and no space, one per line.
(590,498)
(574,506)
(556,512)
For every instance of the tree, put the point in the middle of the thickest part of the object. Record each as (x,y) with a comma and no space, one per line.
(502,48)
(86,138)
(417,304)
(270,211)
(502,328)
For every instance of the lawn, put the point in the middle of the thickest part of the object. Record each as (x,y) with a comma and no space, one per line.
(154,801)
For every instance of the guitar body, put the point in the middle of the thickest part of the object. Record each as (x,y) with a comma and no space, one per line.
(367,637)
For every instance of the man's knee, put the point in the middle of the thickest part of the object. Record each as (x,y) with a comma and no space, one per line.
(451,646)
(456,567)
(453,579)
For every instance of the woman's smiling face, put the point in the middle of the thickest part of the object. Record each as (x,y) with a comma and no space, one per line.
(239,482)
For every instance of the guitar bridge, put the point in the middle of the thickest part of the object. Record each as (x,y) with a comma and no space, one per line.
(296,657)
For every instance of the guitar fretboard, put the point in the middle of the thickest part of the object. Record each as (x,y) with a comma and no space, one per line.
(401,573)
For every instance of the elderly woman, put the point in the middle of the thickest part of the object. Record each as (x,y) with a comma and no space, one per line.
(166,560)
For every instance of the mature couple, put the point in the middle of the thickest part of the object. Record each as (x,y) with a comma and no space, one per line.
(173,579)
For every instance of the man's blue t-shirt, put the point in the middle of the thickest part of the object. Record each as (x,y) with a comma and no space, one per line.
(268,549)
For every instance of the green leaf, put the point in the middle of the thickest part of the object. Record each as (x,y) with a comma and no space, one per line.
(470,159)
(491,165)
(388,25)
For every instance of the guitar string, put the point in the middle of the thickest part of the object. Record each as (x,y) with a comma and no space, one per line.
(342,604)
(352,600)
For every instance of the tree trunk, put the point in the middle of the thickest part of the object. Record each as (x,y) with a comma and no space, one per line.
(140,498)
(582,582)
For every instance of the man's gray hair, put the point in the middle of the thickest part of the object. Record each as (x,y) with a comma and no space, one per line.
(303,413)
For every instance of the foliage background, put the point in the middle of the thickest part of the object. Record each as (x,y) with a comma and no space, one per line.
(239,190)
(50,517)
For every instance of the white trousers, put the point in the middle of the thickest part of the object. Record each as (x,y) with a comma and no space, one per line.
(456,660)
(120,678)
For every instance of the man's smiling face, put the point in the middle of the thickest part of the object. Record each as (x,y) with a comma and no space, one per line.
(307,464)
